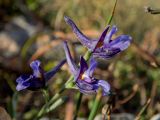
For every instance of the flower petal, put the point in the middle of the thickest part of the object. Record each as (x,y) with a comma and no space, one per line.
(35,83)
(83,65)
(100,42)
(83,39)
(87,88)
(92,67)
(122,42)
(35,65)
(50,74)
(21,80)
(109,35)
(82,69)
(70,61)
(105,86)
(106,53)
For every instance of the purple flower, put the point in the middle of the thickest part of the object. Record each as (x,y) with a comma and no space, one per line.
(105,47)
(83,75)
(39,78)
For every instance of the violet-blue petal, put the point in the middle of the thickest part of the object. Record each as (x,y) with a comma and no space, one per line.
(83,39)
(20,80)
(122,42)
(109,35)
(29,82)
(71,63)
(100,42)
(83,65)
(87,88)
(36,83)
(105,86)
(106,53)
(35,65)
(82,69)
(51,73)
(92,67)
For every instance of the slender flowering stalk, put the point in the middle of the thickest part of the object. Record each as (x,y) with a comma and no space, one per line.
(38,79)
(83,76)
(95,105)
(105,47)
(101,43)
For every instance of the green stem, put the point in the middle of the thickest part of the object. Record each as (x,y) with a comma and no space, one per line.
(57,103)
(112,14)
(95,105)
(80,95)
(51,101)
(86,57)
(46,95)
(99,94)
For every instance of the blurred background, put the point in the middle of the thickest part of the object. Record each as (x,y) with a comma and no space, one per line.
(35,29)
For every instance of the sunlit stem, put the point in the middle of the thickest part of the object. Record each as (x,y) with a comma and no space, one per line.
(80,95)
(112,14)
(99,94)
(78,105)
(95,105)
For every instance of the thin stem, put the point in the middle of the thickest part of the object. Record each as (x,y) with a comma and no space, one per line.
(99,94)
(80,95)
(46,95)
(112,14)
(86,57)
(95,105)
(51,101)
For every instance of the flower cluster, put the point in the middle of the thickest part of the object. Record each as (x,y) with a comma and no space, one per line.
(105,47)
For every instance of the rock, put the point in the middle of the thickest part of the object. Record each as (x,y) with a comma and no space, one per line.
(156,117)
(15,33)
(120,116)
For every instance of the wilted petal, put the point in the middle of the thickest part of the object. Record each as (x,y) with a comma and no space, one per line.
(70,61)
(83,39)
(50,74)
(109,35)
(105,86)
(35,65)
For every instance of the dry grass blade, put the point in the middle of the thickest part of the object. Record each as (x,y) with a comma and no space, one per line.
(146,55)
(138,117)
(135,89)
